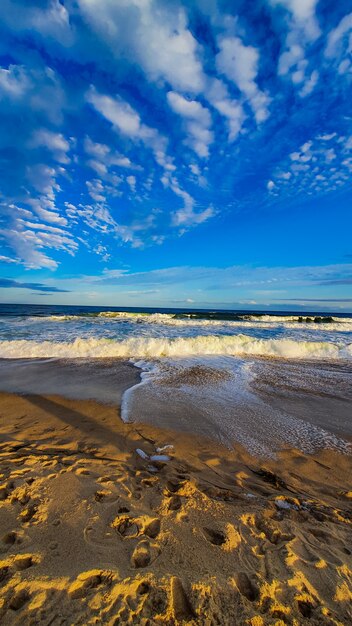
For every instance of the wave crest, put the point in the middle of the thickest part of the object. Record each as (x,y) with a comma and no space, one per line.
(139,347)
(343,324)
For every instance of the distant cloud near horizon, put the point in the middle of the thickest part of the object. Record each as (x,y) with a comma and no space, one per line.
(316,299)
(14,284)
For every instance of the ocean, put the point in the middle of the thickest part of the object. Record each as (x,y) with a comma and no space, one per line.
(264,379)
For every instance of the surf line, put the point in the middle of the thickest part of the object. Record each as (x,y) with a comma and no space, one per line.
(146,370)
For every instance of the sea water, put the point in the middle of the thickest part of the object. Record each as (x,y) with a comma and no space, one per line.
(264,380)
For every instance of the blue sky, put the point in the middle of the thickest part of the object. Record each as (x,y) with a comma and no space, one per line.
(167,153)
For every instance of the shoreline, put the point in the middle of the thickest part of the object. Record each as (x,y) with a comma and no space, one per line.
(93,533)
(263,405)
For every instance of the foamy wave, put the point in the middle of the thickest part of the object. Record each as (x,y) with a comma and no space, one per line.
(343,324)
(123,314)
(56,318)
(139,347)
(300,318)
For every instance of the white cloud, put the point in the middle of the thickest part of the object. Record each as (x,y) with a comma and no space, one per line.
(327,136)
(197,175)
(99,191)
(97,150)
(303,15)
(25,247)
(284,175)
(339,44)
(96,190)
(155,35)
(55,142)
(194,167)
(131,181)
(37,89)
(303,29)
(103,252)
(239,63)
(46,227)
(28,238)
(197,120)
(228,278)
(119,113)
(43,180)
(128,122)
(104,158)
(218,95)
(186,216)
(319,166)
(7,259)
(14,82)
(309,84)
(50,21)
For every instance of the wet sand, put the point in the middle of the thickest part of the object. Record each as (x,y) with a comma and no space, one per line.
(92,533)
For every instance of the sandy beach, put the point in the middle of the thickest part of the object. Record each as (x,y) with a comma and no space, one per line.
(92,533)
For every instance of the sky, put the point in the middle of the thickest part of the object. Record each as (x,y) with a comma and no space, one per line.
(187,154)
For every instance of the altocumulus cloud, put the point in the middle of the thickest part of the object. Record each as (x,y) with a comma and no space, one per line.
(127,123)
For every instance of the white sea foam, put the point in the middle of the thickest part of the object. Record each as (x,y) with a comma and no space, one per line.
(128,314)
(343,324)
(297,318)
(55,318)
(149,347)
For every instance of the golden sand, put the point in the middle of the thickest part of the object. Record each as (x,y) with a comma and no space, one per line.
(92,533)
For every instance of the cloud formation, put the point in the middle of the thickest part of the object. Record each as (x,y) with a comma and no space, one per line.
(233,277)
(131,123)
(6,283)
(239,63)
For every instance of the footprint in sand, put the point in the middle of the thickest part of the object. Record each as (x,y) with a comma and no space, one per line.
(6,489)
(106,479)
(216,537)
(105,496)
(149,482)
(130,527)
(21,495)
(173,486)
(86,581)
(175,503)
(82,471)
(19,599)
(173,491)
(126,526)
(141,556)
(10,538)
(4,573)
(144,554)
(246,587)
(24,561)
(180,604)
(217,493)
(27,514)
(271,532)
(152,528)
(4,492)
(305,608)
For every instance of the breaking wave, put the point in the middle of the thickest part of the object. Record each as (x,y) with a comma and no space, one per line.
(342,324)
(148,347)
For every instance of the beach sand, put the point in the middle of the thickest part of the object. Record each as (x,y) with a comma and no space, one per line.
(92,533)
